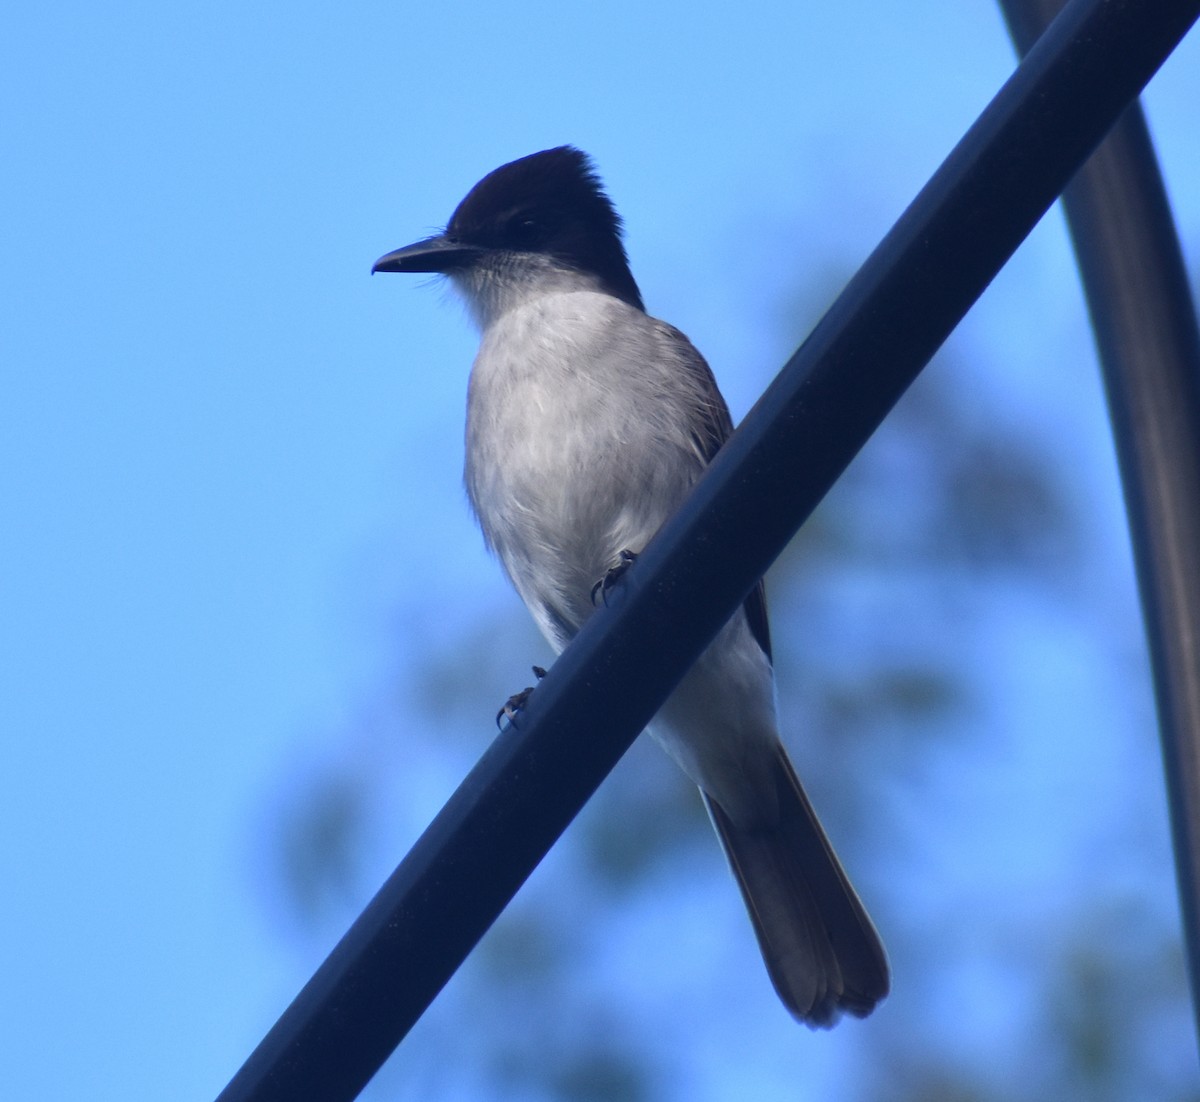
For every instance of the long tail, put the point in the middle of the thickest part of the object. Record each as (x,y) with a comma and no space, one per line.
(820,948)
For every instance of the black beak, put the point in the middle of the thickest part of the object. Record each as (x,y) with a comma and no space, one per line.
(434,254)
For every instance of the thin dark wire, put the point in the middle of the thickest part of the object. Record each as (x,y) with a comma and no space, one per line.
(1149,342)
(763,484)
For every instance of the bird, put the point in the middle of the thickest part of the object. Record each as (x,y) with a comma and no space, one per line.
(588,422)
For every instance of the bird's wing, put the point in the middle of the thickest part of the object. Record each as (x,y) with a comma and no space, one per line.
(713,427)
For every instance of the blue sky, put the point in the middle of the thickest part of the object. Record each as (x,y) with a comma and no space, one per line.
(230,460)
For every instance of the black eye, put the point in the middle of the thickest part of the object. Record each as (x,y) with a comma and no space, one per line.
(524,230)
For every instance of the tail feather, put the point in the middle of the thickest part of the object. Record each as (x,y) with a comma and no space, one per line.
(821,950)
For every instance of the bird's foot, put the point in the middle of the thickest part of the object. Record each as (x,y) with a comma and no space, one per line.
(517,701)
(613,575)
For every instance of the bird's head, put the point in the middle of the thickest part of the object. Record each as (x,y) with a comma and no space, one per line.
(541,221)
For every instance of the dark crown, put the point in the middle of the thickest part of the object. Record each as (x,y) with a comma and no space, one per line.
(550,203)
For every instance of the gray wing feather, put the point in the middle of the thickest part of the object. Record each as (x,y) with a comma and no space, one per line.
(713,427)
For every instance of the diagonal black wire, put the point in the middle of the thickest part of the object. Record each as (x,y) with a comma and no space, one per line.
(1146,329)
(764,483)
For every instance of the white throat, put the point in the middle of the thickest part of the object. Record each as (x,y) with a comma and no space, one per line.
(506,281)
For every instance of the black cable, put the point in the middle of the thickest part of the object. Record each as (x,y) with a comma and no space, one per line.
(1149,343)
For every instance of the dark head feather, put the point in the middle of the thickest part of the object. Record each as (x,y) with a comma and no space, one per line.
(550,203)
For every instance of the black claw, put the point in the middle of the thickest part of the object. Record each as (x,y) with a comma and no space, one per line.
(513,705)
(517,701)
(625,560)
